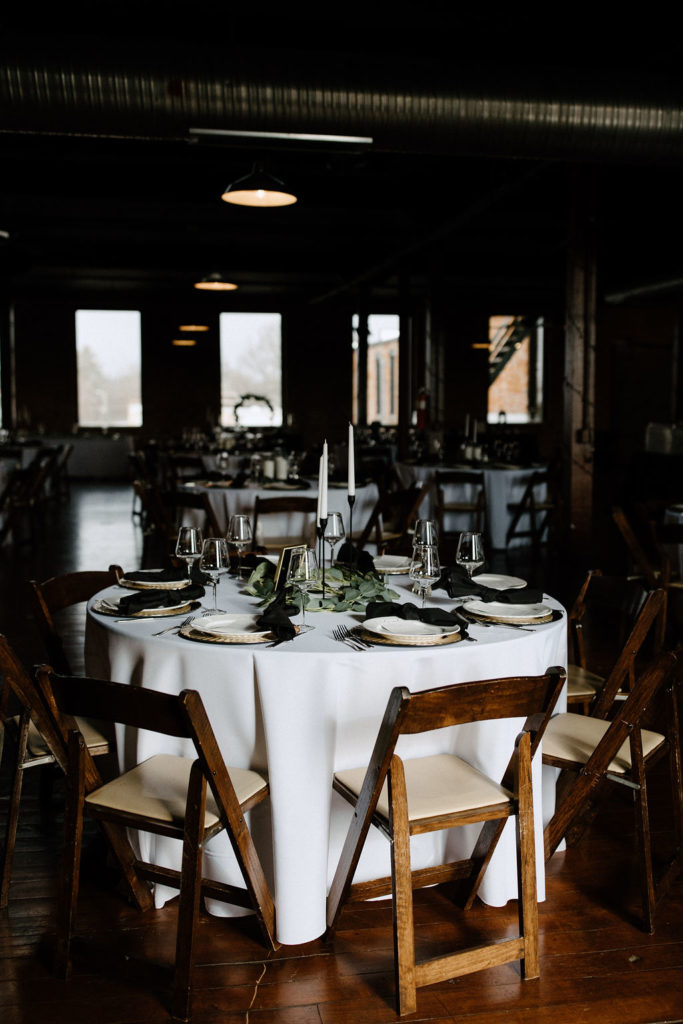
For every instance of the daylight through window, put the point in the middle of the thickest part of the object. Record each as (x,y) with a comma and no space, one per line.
(108,347)
(515,369)
(251,369)
(382,364)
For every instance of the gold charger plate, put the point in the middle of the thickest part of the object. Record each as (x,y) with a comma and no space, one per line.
(236,638)
(426,641)
(521,621)
(152,585)
(147,613)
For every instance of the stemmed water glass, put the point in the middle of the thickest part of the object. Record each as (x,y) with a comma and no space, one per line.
(425,567)
(426,532)
(334,531)
(214,561)
(470,551)
(189,546)
(302,573)
(240,536)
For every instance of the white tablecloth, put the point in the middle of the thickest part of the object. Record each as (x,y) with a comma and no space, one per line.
(304,709)
(503,486)
(278,529)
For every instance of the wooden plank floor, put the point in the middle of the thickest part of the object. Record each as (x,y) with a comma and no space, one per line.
(596,964)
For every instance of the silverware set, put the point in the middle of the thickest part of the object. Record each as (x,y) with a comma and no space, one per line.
(177,626)
(344,635)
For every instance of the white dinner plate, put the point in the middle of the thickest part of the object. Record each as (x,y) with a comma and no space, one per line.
(496,582)
(392,564)
(507,612)
(228,625)
(396,628)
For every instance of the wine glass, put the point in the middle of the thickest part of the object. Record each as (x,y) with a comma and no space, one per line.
(189,546)
(302,573)
(334,531)
(425,567)
(239,535)
(214,561)
(426,532)
(470,551)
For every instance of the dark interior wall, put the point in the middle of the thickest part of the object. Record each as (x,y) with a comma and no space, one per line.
(316,351)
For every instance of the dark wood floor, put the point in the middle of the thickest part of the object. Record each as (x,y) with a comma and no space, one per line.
(596,964)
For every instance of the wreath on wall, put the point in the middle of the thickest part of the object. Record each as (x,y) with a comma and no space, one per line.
(253,398)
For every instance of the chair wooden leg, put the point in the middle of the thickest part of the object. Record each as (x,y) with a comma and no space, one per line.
(404,936)
(73,833)
(643,836)
(527,899)
(190,892)
(13,812)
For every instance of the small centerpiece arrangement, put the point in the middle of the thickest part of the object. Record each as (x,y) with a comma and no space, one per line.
(346,590)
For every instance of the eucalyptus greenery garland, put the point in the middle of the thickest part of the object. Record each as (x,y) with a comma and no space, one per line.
(345,591)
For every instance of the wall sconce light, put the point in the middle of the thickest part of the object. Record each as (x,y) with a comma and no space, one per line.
(194,328)
(184,342)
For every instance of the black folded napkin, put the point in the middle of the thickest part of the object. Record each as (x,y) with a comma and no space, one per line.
(455,581)
(170,575)
(143,600)
(359,561)
(276,618)
(434,616)
(199,578)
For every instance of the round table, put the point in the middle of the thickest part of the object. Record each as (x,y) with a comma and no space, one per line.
(304,709)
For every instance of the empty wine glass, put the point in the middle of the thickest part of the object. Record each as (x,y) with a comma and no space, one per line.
(302,573)
(425,567)
(214,561)
(239,535)
(470,551)
(189,546)
(426,532)
(334,531)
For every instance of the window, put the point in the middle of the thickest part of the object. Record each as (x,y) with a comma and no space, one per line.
(251,369)
(515,369)
(382,368)
(108,347)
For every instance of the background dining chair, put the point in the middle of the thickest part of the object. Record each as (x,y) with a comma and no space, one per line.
(456,504)
(609,624)
(191,798)
(537,504)
(302,507)
(54,596)
(198,503)
(26,732)
(392,519)
(406,797)
(596,751)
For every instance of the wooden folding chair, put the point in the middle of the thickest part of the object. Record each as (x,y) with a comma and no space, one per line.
(475,507)
(403,798)
(285,505)
(594,751)
(182,500)
(32,742)
(537,508)
(609,622)
(54,596)
(188,798)
(393,518)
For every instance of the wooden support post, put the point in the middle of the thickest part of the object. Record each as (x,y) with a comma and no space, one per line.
(579,366)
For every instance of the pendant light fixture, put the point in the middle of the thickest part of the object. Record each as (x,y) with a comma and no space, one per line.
(258,189)
(215,283)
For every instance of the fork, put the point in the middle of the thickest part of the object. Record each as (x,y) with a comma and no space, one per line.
(177,626)
(343,635)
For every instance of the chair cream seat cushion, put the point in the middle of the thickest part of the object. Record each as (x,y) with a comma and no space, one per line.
(157,789)
(37,746)
(440,784)
(581,682)
(575,737)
